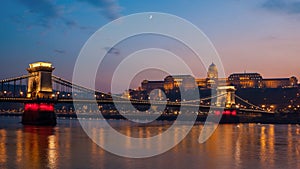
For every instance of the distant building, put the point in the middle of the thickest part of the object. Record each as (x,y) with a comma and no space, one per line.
(212,80)
(151,85)
(137,94)
(239,80)
(255,80)
(245,80)
(202,83)
(280,82)
(212,76)
(170,82)
(152,89)
(212,72)
(126,94)
(187,82)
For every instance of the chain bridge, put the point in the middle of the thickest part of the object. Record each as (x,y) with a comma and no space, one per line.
(40,91)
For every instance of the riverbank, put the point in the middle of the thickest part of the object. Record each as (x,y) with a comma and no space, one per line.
(278,118)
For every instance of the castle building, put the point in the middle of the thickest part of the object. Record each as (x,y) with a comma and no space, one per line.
(187,82)
(245,80)
(238,80)
(255,80)
(280,82)
(212,72)
(151,85)
(212,76)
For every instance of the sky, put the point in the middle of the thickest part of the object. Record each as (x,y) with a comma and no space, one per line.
(254,36)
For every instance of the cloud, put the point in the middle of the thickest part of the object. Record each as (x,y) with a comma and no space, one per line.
(69,23)
(59,51)
(45,10)
(112,50)
(286,6)
(109,8)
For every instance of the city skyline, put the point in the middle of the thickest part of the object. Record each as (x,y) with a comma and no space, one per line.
(258,36)
(133,84)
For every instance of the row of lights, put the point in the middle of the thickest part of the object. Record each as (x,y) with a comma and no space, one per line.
(5,92)
(268,108)
(57,93)
(272,107)
(68,95)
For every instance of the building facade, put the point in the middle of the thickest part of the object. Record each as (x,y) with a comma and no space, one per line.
(280,82)
(255,80)
(238,80)
(245,80)
(151,85)
(186,82)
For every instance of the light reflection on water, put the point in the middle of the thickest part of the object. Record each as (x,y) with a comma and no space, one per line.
(67,146)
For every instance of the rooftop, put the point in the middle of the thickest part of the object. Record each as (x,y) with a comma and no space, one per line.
(40,64)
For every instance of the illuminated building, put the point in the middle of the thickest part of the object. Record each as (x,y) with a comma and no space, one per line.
(255,80)
(170,82)
(201,82)
(187,82)
(212,76)
(212,80)
(151,85)
(280,82)
(155,89)
(148,88)
(245,80)
(240,81)
(212,72)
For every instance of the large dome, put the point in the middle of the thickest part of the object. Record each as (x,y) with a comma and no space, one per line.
(212,71)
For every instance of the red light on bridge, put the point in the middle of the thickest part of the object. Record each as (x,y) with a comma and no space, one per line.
(217,113)
(227,112)
(233,113)
(31,107)
(38,107)
(46,107)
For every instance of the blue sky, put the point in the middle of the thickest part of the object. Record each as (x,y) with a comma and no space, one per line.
(257,36)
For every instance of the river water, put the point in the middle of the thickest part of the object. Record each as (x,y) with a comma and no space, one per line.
(67,146)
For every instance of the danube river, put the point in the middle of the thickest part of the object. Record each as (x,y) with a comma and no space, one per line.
(67,146)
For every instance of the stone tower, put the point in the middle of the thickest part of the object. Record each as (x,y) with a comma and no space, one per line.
(40,81)
(40,109)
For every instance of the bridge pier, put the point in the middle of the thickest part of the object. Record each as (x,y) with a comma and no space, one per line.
(39,113)
(40,110)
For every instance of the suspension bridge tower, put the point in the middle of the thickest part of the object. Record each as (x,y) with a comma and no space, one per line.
(40,110)
(227,96)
